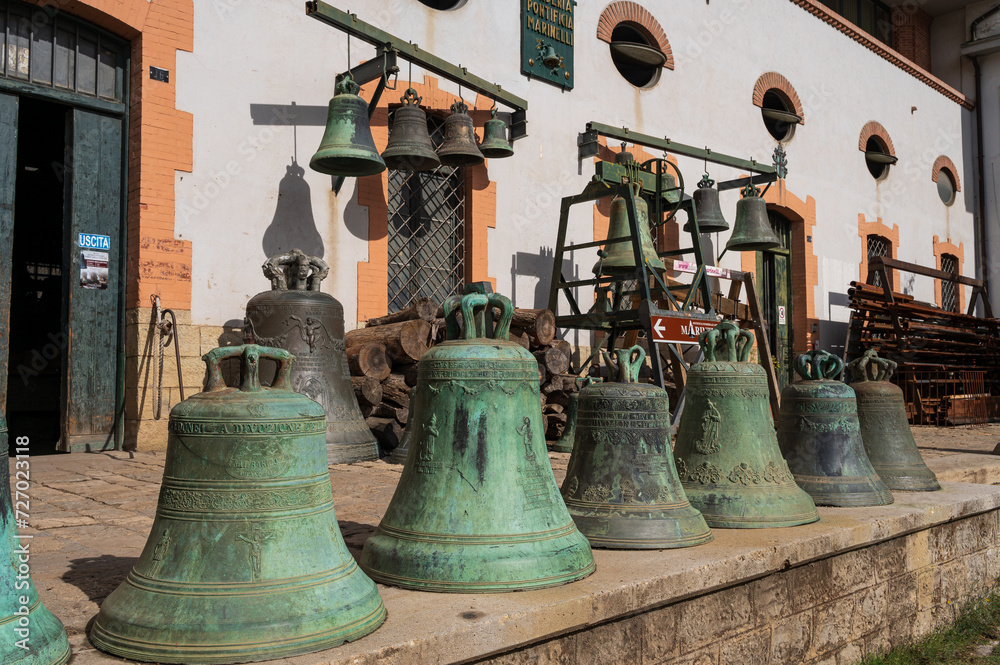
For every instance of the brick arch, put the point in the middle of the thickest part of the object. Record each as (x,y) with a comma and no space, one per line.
(871,129)
(943,163)
(639,18)
(775,81)
(958,251)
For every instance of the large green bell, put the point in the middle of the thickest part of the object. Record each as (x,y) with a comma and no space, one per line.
(884,427)
(621,486)
(620,257)
(347,148)
(726,450)
(752,230)
(477,507)
(245,560)
(820,436)
(29,633)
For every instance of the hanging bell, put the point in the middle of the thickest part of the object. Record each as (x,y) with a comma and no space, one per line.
(885,430)
(621,485)
(752,230)
(477,507)
(495,144)
(726,450)
(245,560)
(566,441)
(294,315)
(29,633)
(410,147)
(619,257)
(820,437)
(347,148)
(706,206)
(459,147)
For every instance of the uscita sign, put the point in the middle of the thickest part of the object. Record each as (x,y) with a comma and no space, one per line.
(94,241)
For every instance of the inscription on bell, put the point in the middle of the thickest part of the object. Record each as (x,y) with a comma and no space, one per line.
(257,459)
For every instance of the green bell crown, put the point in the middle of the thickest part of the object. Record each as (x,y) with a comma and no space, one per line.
(820,436)
(477,508)
(726,451)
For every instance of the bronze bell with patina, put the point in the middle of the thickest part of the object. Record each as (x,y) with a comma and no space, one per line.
(820,436)
(621,485)
(245,560)
(885,430)
(726,450)
(619,257)
(459,147)
(477,508)
(410,147)
(495,144)
(296,316)
(347,148)
(707,208)
(752,230)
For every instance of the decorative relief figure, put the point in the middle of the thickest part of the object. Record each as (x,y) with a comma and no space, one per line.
(597,494)
(425,457)
(574,485)
(774,473)
(257,409)
(525,432)
(160,550)
(711,421)
(706,473)
(682,468)
(745,474)
(256,538)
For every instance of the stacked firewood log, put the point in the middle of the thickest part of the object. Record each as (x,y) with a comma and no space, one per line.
(383,360)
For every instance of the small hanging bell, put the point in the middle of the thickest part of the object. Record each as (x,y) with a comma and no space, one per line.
(459,147)
(495,144)
(752,230)
(820,437)
(726,450)
(620,256)
(884,427)
(410,147)
(347,148)
(706,206)
(621,485)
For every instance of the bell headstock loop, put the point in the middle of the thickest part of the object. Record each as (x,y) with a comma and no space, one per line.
(726,342)
(870,367)
(818,365)
(347,86)
(296,271)
(584,381)
(625,369)
(249,355)
(506,307)
(411,98)
(471,305)
(451,306)
(742,344)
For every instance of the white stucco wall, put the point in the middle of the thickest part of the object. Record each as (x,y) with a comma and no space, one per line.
(265,52)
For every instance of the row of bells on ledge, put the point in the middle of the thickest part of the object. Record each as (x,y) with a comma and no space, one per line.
(348,149)
(752,231)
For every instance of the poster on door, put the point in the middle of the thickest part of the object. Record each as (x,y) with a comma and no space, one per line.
(94,270)
(781,315)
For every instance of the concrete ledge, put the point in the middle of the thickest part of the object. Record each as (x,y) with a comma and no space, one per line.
(437,628)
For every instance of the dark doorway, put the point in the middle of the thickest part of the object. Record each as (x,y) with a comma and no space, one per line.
(37,315)
(774,270)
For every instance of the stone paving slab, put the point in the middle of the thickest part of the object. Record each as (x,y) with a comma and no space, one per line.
(91,514)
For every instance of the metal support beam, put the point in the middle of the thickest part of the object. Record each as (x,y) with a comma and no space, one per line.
(355,27)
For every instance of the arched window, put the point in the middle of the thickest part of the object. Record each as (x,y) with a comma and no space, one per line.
(949,290)
(879,246)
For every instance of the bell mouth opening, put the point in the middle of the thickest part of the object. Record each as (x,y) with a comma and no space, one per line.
(460,160)
(346,166)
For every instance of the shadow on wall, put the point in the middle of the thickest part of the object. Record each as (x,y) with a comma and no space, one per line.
(538,266)
(293,225)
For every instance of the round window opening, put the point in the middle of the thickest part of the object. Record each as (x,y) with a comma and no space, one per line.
(779,115)
(946,187)
(443,5)
(636,58)
(877,157)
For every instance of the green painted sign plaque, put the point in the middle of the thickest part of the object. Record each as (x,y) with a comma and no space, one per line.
(547,40)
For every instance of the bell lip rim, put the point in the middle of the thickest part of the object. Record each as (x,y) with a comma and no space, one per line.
(605,544)
(752,247)
(63,657)
(435,585)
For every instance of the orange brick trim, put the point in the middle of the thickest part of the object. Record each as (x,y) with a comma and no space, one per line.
(942,163)
(865,229)
(373,193)
(159,142)
(958,251)
(775,81)
(820,11)
(871,129)
(639,18)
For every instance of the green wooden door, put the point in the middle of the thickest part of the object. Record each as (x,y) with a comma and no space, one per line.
(93,207)
(8,169)
(774,270)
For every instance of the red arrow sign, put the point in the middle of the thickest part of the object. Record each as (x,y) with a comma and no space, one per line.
(679,330)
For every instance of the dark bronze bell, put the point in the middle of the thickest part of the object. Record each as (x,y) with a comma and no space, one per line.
(31,634)
(706,206)
(752,230)
(410,147)
(621,485)
(347,148)
(566,441)
(820,437)
(726,450)
(294,315)
(477,507)
(884,427)
(495,144)
(620,257)
(459,147)
(245,560)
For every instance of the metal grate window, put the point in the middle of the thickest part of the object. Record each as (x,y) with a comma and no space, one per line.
(878,246)
(949,290)
(426,230)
